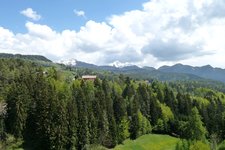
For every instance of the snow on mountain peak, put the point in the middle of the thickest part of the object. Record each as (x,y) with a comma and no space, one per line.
(119,64)
(69,62)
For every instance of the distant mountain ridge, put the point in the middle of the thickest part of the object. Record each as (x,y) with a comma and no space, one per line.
(164,73)
(27,57)
(175,72)
(207,71)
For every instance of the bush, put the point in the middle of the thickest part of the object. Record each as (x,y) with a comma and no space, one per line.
(222,146)
(199,146)
(94,147)
(192,145)
(11,143)
(182,145)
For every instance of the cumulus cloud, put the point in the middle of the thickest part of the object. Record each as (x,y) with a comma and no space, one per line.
(172,49)
(79,13)
(30,13)
(40,31)
(162,32)
(40,39)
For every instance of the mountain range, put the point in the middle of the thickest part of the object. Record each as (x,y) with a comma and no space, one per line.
(207,71)
(175,72)
(164,73)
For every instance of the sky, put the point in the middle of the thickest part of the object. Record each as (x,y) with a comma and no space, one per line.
(139,32)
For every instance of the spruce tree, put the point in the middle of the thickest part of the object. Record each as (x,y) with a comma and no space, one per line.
(82,127)
(111,137)
(18,101)
(135,122)
(72,124)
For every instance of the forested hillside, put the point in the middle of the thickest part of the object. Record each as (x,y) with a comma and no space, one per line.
(44,108)
(26,57)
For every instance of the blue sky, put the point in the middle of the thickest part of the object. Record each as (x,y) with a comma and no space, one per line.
(140,32)
(59,14)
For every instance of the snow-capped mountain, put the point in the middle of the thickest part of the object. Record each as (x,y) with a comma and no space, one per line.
(69,62)
(119,64)
(207,71)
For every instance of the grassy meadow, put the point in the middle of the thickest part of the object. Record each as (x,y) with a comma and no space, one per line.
(150,142)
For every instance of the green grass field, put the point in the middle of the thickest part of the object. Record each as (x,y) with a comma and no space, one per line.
(150,142)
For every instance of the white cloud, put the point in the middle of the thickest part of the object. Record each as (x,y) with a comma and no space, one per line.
(41,31)
(40,39)
(79,13)
(163,32)
(6,37)
(30,13)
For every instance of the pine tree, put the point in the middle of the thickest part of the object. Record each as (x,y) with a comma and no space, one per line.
(144,100)
(3,107)
(169,98)
(82,127)
(103,129)
(38,127)
(72,124)
(119,107)
(17,102)
(135,122)
(92,103)
(111,137)
(57,113)
(154,109)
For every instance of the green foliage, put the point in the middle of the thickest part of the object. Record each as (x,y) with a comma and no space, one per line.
(182,145)
(71,109)
(82,127)
(94,147)
(123,130)
(195,129)
(11,143)
(48,109)
(144,125)
(192,145)
(17,102)
(199,146)
(167,114)
(202,100)
(159,126)
(221,145)
(135,118)
(3,107)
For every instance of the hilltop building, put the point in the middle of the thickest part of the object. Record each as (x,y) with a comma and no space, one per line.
(89,77)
